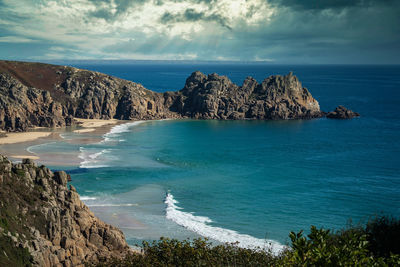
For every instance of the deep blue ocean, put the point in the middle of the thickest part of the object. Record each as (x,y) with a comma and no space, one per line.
(246,181)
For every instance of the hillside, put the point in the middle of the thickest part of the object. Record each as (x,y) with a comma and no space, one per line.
(44,223)
(36,94)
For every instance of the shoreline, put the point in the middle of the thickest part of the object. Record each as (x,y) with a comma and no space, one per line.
(109,129)
(13,138)
(95,123)
(15,145)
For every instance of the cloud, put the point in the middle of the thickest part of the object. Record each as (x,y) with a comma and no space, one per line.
(329,4)
(285,31)
(15,39)
(191,15)
(110,10)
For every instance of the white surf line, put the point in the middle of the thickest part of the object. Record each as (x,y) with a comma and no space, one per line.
(89,159)
(118,129)
(198,224)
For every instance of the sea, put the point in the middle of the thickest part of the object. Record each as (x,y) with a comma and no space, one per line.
(244,182)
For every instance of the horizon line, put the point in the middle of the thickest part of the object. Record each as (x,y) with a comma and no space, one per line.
(194,61)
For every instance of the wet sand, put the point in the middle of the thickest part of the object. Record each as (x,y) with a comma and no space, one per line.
(15,145)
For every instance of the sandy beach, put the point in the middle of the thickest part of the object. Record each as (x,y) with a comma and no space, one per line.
(14,145)
(24,157)
(95,123)
(13,138)
(90,125)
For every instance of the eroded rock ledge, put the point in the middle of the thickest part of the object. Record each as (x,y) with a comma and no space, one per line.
(35,94)
(342,113)
(40,214)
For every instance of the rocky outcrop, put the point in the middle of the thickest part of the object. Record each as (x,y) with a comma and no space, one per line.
(342,113)
(35,94)
(22,107)
(216,97)
(42,215)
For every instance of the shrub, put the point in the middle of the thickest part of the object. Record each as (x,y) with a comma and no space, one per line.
(372,245)
(383,234)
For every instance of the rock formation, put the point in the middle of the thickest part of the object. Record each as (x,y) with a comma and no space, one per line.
(22,107)
(342,113)
(40,215)
(35,94)
(216,97)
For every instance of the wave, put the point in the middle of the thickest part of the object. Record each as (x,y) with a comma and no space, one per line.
(113,205)
(83,198)
(198,224)
(63,135)
(29,149)
(121,128)
(90,159)
(99,202)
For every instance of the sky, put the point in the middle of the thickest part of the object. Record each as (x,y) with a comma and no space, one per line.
(275,31)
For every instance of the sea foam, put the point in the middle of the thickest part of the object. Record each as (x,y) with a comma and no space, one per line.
(32,149)
(116,130)
(199,225)
(91,159)
(83,198)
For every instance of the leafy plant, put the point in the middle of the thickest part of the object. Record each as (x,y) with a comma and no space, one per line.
(376,244)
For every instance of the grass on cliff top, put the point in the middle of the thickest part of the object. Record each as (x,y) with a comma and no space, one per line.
(376,244)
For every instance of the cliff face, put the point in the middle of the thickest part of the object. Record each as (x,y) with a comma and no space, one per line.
(22,107)
(216,97)
(41,216)
(35,94)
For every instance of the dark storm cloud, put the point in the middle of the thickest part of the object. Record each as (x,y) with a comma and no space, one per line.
(104,10)
(191,15)
(352,35)
(329,4)
(105,6)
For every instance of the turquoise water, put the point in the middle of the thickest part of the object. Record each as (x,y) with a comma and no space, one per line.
(248,181)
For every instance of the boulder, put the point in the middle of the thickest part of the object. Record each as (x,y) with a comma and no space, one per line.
(61,177)
(342,113)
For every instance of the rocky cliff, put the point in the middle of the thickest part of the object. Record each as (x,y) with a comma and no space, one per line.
(216,97)
(44,223)
(35,94)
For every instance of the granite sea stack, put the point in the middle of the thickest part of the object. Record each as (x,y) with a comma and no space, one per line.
(342,113)
(44,223)
(216,97)
(36,94)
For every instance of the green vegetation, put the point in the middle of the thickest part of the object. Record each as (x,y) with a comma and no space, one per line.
(376,244)
(18,210)
(10,255)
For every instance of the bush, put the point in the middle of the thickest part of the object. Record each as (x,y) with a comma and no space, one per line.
(376,244)
(199,252)
(383,234)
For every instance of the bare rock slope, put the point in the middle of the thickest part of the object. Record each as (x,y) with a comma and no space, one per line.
(44,223)
(36,94)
